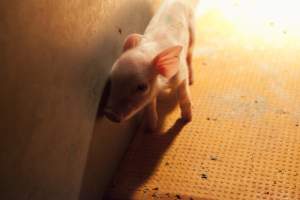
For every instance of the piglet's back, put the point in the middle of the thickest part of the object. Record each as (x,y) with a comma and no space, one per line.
(169,26)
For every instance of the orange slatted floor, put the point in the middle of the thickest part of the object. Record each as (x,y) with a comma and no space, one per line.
(244,140)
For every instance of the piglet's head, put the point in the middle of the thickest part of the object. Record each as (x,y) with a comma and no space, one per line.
(133,79)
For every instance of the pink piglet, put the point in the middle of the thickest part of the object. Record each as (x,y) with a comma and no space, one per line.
(158,59)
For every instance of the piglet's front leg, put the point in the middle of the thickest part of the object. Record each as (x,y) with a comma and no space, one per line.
(151,117)
(191,49)
(184,99)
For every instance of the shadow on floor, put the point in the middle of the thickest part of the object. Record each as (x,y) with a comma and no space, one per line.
(158,143)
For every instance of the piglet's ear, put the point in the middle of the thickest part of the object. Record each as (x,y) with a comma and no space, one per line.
(167,62)
(132,41)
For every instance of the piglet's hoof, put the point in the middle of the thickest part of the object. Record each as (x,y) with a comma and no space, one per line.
(186,118)
(191,81)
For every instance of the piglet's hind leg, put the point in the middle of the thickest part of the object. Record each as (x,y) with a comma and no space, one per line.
(190,50)
(184,99)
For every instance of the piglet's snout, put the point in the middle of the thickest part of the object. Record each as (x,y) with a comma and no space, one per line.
(112,116)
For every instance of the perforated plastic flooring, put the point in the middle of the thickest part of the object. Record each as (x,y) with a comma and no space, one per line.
(244,140)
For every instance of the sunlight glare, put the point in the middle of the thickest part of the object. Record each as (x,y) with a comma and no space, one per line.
(254,14)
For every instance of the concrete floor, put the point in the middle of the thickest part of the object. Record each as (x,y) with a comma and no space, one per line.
(244,140)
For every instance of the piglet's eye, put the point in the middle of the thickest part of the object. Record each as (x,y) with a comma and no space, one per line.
(142,87)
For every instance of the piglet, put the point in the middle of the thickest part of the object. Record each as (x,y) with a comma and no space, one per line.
(150,63)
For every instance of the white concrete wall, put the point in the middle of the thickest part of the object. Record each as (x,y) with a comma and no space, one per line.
(54,60)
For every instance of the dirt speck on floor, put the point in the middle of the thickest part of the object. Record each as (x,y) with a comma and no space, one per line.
(211,119)
(204,176)
(145,190)
(214,158)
